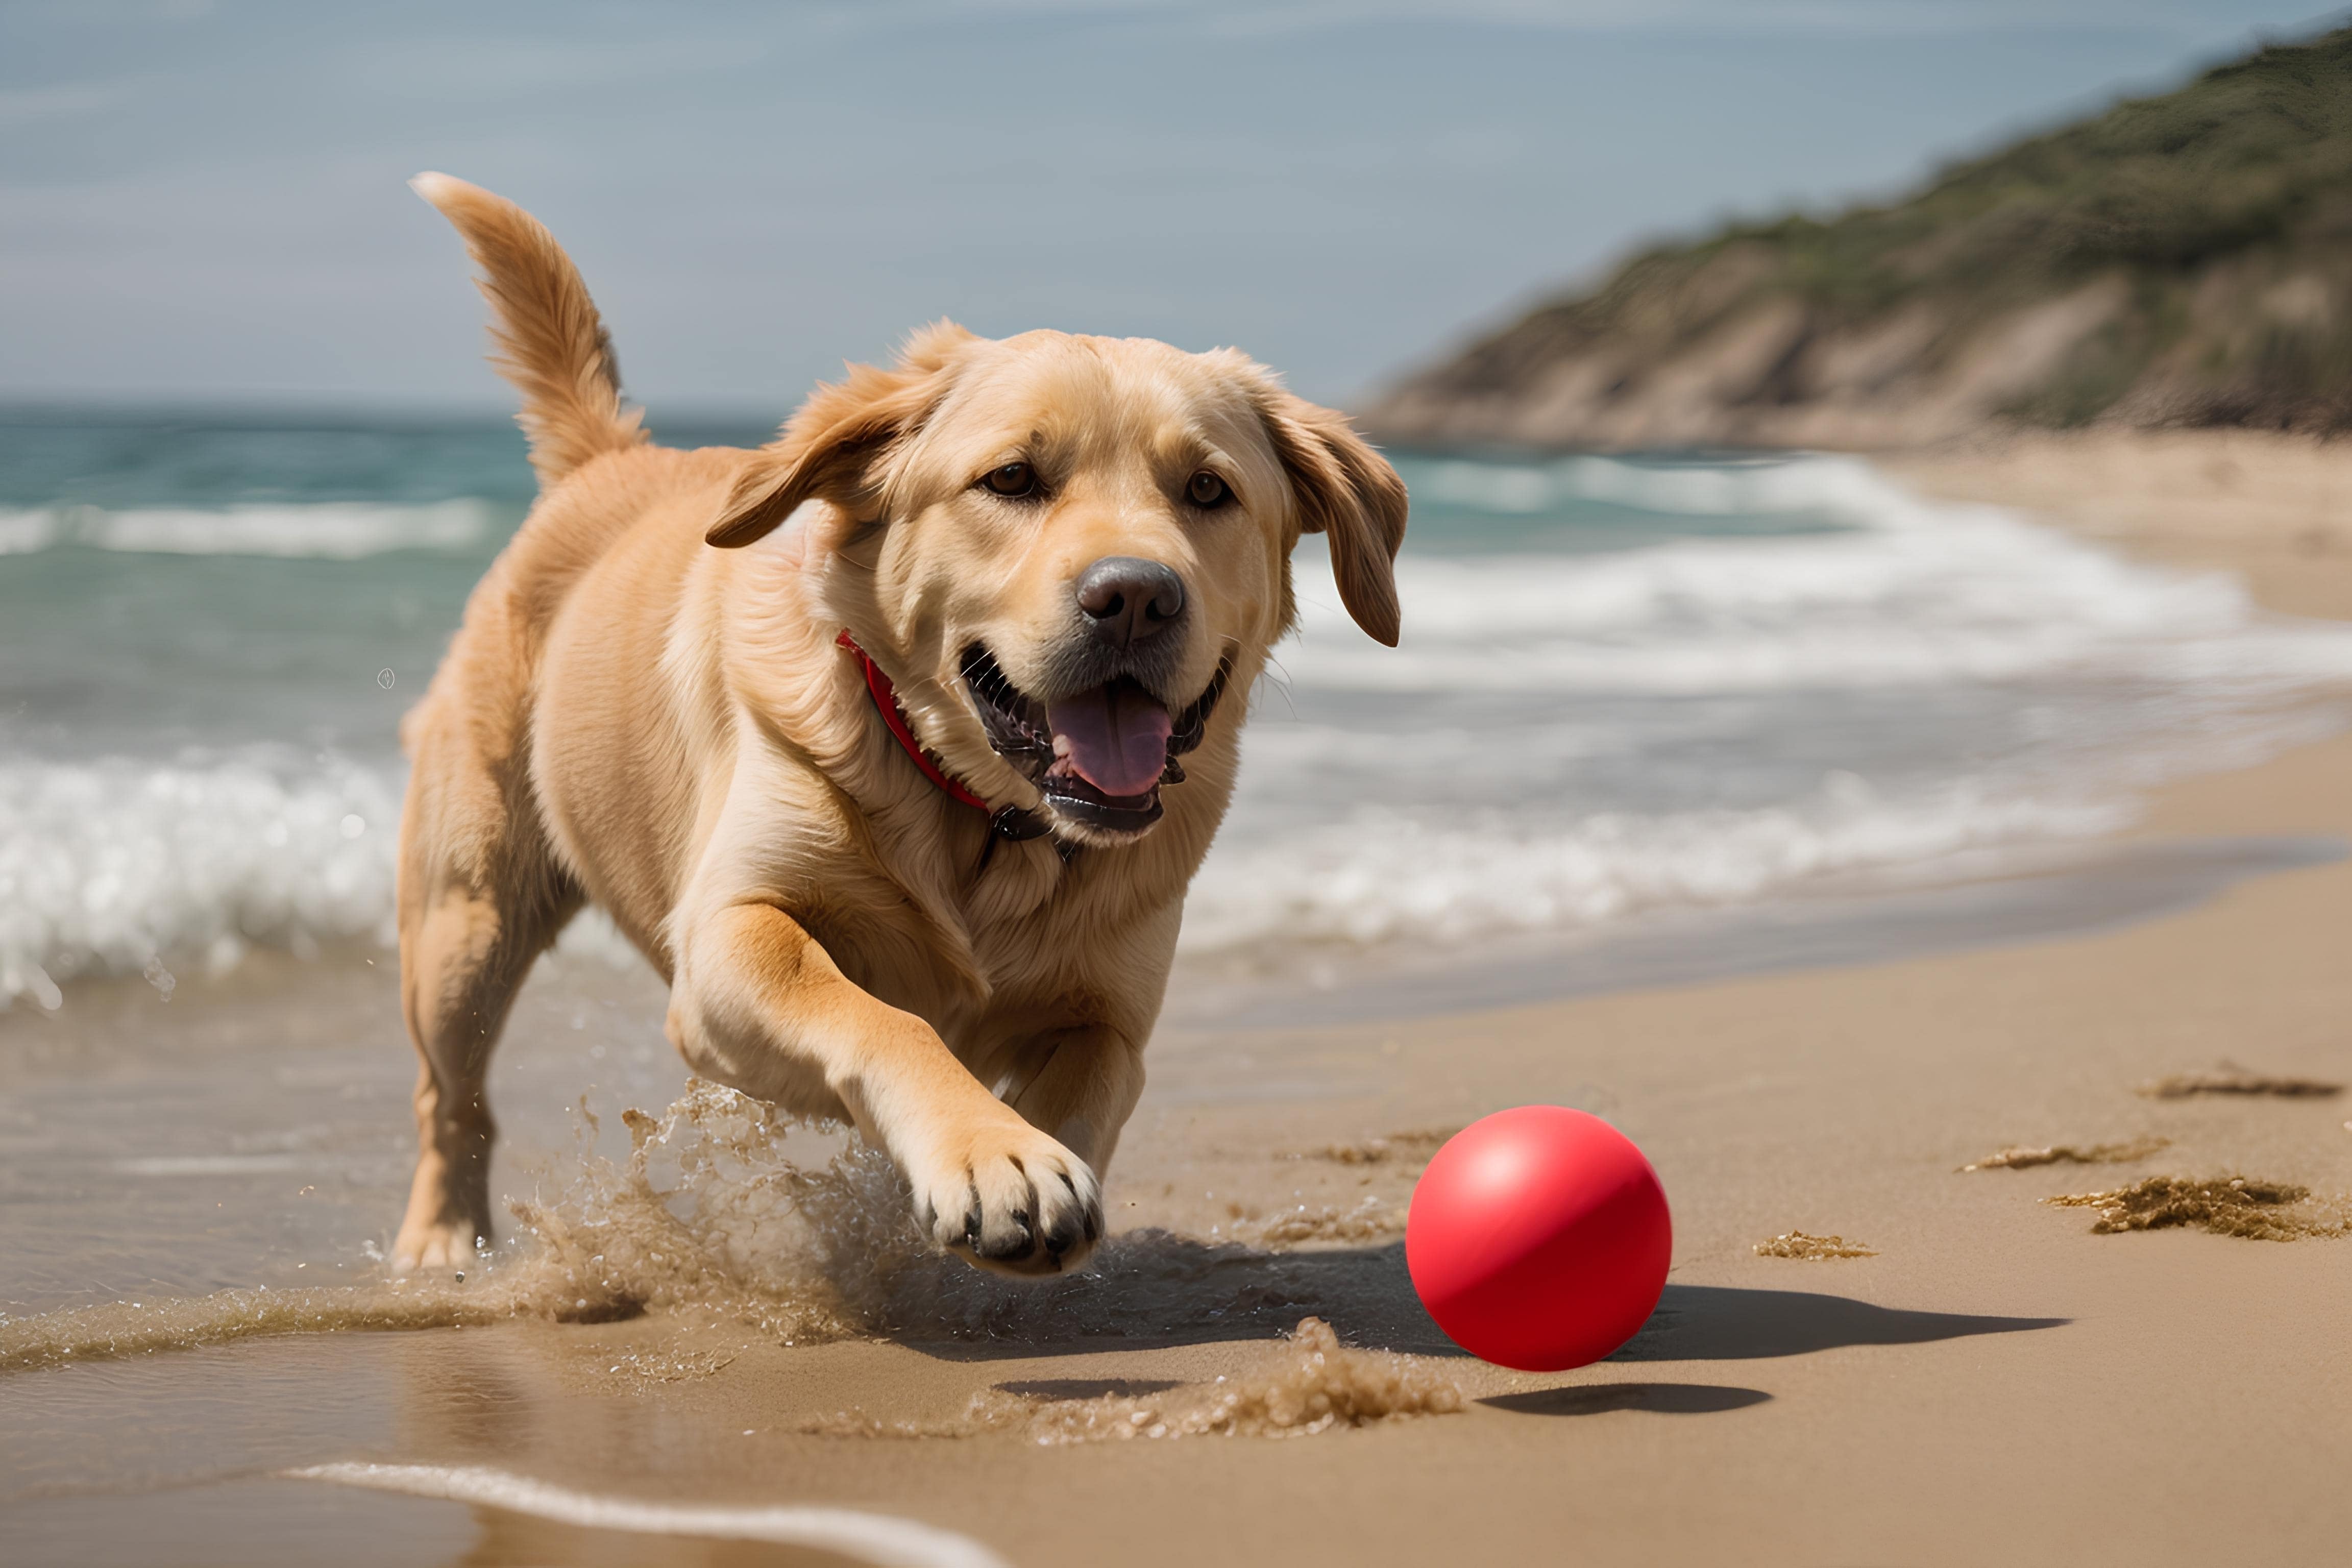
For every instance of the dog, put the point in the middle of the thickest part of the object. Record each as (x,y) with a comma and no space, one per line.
(892,744)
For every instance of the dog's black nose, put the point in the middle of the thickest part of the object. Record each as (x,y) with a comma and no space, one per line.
(1129,599)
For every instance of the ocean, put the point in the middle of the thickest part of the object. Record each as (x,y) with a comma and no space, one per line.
(1625,686)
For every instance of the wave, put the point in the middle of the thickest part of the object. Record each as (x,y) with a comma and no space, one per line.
(1834,487)
(328,531)
(119,867)
(1911,592)
(1385,875)
(1814,486)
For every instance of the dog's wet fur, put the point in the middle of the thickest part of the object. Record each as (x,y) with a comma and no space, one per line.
(649,707)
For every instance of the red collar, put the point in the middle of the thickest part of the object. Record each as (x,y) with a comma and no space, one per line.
(1010,821)
(886,702)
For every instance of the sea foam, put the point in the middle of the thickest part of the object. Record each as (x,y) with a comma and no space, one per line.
(1900,592)
(1381,875)
(334,531)
(124,867)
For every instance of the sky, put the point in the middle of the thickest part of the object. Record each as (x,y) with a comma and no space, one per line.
(204,201)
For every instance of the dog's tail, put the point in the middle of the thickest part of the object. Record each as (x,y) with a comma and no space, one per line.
(551,342)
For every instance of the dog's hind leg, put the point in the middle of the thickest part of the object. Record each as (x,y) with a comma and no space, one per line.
(460,969)
(479,902)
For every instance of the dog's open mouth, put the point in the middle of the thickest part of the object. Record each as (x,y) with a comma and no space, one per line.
(1100,755)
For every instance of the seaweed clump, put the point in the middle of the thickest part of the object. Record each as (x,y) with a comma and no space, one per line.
(2229,1206)
(1307,1385)
(1812,1248)
(1418,1142)
(2018,1158)
(1369,1220)
(2232,1079)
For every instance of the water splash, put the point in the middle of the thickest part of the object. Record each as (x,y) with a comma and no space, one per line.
(715,1211)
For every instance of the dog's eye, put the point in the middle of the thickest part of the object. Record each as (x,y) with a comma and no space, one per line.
(1013,480)
(1205,489)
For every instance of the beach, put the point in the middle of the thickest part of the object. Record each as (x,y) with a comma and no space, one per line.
(1989,1377)
(2271,508)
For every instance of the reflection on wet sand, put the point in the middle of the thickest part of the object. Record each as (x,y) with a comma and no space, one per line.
(517,1512)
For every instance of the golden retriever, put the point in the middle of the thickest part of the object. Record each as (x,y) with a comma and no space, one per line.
(892,744)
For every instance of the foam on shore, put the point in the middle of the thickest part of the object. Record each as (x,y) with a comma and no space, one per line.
(323,531)
(877,1538)
(120,868)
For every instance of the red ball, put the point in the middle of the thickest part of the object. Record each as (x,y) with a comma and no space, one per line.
(1539,1239)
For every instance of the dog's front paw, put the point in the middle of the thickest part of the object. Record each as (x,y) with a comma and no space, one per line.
(1008,1197)
(425,1248)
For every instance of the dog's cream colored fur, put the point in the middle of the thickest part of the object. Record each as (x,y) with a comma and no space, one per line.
(645,708)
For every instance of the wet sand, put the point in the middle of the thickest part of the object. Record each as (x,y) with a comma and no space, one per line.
(1997,1381)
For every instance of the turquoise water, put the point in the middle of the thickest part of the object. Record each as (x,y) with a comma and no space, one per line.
(181,582)
(284,568)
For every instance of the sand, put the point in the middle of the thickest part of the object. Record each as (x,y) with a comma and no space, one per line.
(2000,1380)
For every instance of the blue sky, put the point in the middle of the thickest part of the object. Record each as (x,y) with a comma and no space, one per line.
(204,201)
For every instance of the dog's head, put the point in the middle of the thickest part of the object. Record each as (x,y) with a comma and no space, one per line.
(1067,552)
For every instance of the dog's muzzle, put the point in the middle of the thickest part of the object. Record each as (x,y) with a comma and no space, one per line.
(1100,755)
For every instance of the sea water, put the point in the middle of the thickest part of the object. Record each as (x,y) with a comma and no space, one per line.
(1624,684)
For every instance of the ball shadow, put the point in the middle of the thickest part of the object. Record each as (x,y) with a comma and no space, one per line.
(1151,1289)
(1716,1322)
(1087,1387)
(1599,1398)
(1148,1290)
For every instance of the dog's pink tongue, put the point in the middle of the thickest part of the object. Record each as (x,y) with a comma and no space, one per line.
(1114,737)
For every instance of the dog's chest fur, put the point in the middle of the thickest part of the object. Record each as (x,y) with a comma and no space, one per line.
(987,943)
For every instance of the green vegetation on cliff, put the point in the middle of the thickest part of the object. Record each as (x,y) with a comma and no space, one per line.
(2184,259)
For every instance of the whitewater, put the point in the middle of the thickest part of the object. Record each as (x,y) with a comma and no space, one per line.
(1624,685)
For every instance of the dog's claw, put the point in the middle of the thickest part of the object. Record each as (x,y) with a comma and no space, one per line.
(1011,1248)
(1023,1204)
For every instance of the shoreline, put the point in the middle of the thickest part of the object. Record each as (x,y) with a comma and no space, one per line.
(2275,509)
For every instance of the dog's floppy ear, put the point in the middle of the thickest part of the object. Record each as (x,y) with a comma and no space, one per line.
(1348,492)
(829,449)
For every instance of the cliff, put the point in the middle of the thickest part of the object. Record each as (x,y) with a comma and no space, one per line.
(2178,261)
